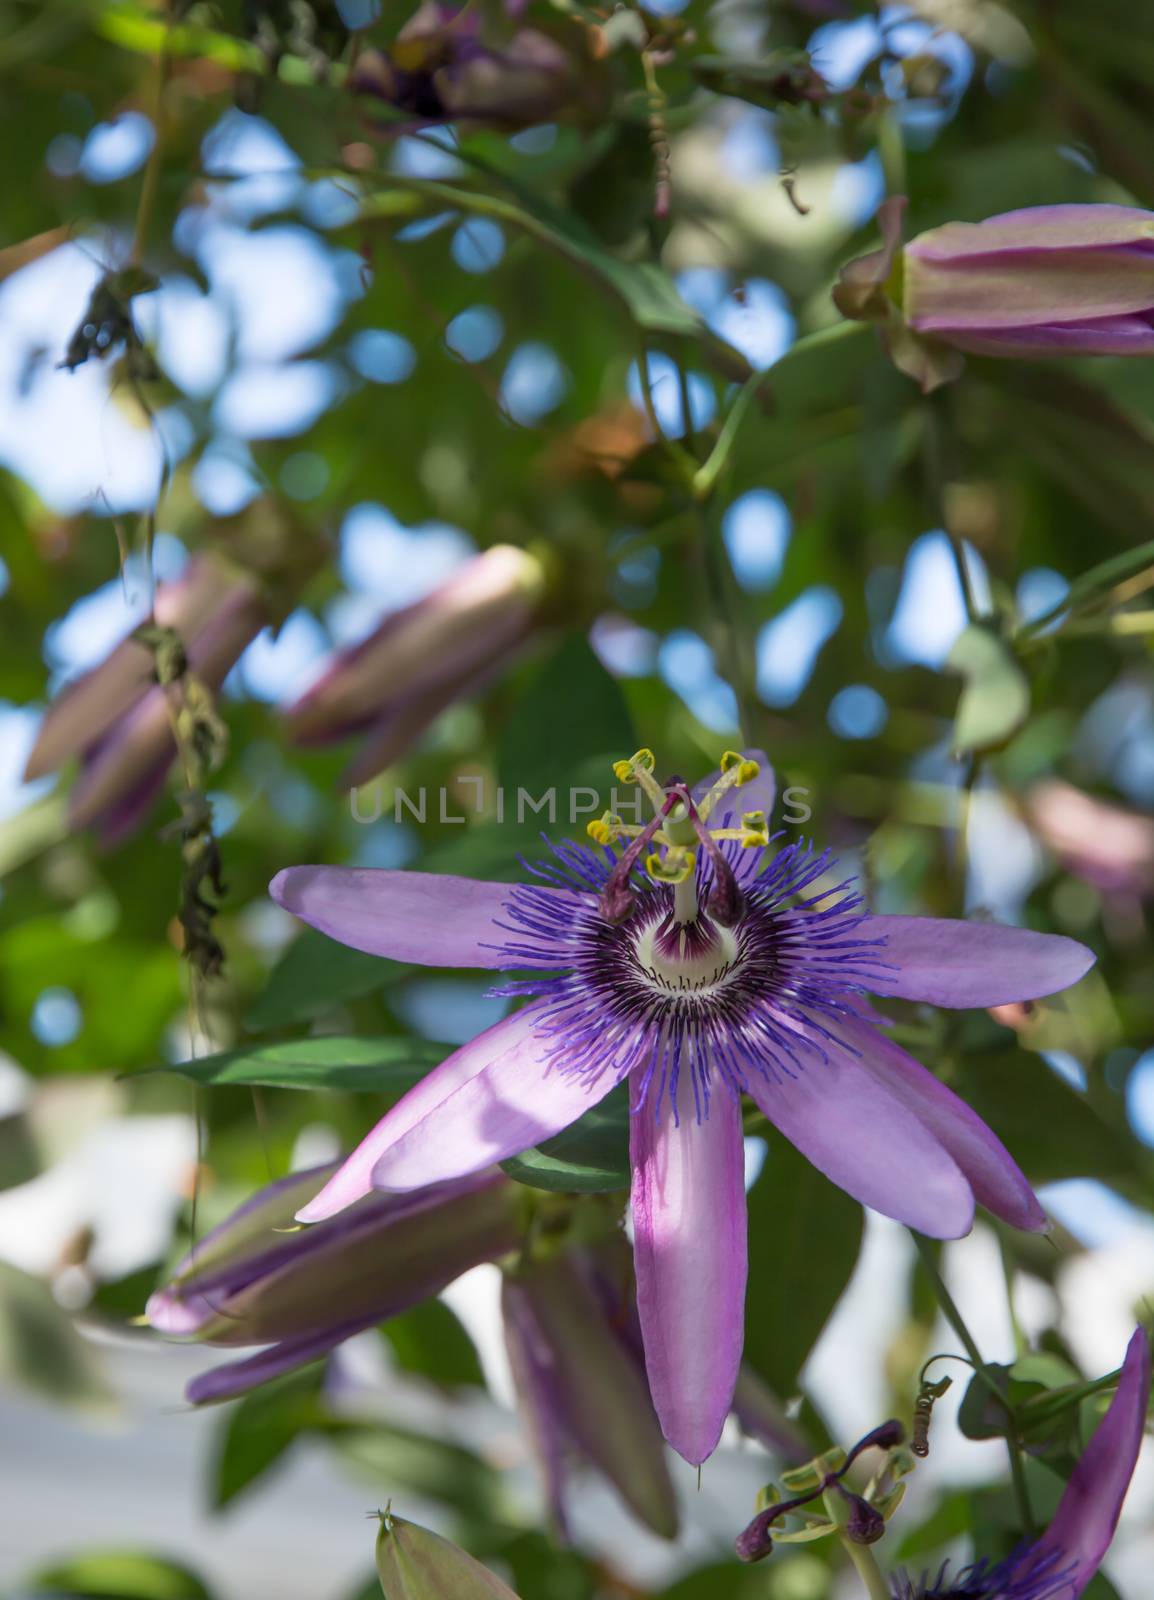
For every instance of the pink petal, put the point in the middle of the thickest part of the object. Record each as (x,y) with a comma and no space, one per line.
(432,919)
(496,1096)
(1088,1512)
(861,1135)
(689,1226)
(1062,227)
(973,963)
(1103,336)
(995,1178)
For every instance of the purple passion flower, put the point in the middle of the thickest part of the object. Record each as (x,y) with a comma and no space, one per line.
(684,959)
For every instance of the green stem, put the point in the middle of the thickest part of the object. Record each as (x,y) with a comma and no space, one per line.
(867,1570)
(954,1317)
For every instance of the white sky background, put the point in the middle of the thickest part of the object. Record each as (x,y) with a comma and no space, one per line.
(272,295)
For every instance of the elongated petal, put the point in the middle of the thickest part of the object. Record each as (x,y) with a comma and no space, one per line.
(433,919)
(993,1175)
(1088,1512)
(973,963)
(493,1098)
(856,1131)
(538,1401)
(689,1232)
(1009,291)
(238,1377)
(595,1385)
(1103,336)
(90,706)
(1062,227)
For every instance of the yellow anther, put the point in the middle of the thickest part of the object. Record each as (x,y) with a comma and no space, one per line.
(630,771)
(600,831)
(639,769)
(735,770)
(755,830)
(734,762)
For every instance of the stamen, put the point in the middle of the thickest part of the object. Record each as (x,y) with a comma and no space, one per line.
(735,770)
(639,769)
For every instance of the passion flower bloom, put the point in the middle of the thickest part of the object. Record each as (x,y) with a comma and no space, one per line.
(1044,281)
(685,960)
(1060,1564)
(419,660)
(302,1293)
(119,721)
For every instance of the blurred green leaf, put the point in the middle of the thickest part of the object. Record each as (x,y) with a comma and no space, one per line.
(431,1341)
(39,1347)
(386,1066)
(1052,1129)
(573,696)
(259,1430)
(995,698)
(315,975)
(804,1238)
(117,1575)
(19,1160)
(642,288)
(394,1463)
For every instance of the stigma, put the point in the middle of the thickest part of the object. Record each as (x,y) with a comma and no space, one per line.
(667,848)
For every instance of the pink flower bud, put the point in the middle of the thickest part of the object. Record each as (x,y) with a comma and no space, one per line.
(1043,281)
(258,1280)
(419,660)
(119,721)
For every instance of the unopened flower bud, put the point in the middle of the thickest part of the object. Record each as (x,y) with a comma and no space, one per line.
(416,1564)
(419,660)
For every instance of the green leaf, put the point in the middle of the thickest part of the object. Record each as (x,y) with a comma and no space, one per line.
(642,288)
(572,692)
(1052,1129)
(259,1430)
(947,1523)
(314,975)
(982,1413)
(727,1580)
(117,1575)
(387,1066)
(431,1341)
(804,1238)
(396,1462)
(995,698)
(39,1347)
(19,1158)
(591,1157)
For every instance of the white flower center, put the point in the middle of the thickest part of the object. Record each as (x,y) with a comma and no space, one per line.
(675,963)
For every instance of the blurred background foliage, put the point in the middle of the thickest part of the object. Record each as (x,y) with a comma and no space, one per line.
(360,347)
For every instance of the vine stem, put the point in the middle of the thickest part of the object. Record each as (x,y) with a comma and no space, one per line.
(954,1317)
